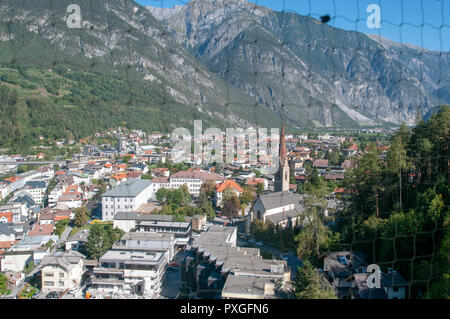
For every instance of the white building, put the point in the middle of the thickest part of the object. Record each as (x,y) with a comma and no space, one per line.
(37,190)
(136,264)
(54,196)
(125,197)
(62,271)
(193,180)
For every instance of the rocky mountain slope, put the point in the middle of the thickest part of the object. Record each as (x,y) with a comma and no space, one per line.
(308,71)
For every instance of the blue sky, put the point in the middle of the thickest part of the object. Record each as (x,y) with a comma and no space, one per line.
(425,23)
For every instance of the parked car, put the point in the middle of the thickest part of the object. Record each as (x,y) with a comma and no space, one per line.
(52,295)
(260,243)
(174,264)
(74,290)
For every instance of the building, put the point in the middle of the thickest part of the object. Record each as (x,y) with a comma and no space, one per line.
(62,271)
(282,175)
(339,266)
(135,265)
(77,240)
(227,185)
(193,179)
(125,197)
(280,208)
(216,268)
(36,190)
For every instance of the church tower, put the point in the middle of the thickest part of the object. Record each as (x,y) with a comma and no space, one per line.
(282,176)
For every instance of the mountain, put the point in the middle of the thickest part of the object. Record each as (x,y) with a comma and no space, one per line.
(229,63)
(307,71)
(122,62)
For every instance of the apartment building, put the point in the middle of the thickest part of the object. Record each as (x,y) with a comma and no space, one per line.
(125,197)
(193,180)
(135,265)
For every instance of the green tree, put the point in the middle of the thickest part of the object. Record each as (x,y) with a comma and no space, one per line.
(309,284)
(231,205)
(81,216)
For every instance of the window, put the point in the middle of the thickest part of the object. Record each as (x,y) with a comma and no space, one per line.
(48,274)
(48,283)
(61,274)
(61,283)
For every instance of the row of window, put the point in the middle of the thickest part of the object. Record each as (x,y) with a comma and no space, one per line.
(118,206)
(118,199)
(50,274)
(52,283)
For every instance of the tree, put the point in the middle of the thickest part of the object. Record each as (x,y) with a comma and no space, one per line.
(81,216)
(259,188)
(101,238)
(208,188)
(309,284)
(161,195)
(396,160)
(231,206)
(247,197)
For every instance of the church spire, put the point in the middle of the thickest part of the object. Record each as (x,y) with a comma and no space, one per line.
(283,151)
(282,176)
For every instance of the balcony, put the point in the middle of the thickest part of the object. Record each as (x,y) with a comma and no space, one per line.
(98,270)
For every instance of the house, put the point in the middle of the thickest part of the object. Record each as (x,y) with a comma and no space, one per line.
(6,217)
(77,240)
(255,181)
(37,190)
(41,230)
(338,266)
(135,264)
(15,260)
(227,185)
(61,271)
(7,236)
(14,279)
(320,163)
(394,284)
(280,208)
(125,197)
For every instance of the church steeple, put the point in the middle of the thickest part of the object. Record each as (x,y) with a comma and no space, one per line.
(282,176)
(283,151)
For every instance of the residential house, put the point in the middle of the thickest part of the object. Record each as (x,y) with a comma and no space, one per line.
(62,271)
(338,266)
(230,185)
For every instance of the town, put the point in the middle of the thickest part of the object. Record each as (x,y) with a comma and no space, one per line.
(124,220)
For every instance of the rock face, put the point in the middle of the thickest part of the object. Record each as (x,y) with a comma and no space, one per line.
(307,71)
(127,38)
(232,61)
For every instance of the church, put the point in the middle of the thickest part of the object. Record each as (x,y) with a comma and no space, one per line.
(280,207)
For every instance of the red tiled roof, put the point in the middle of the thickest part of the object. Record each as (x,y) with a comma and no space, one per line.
(41,230)
(228,184)
(320,162)
(8,216)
